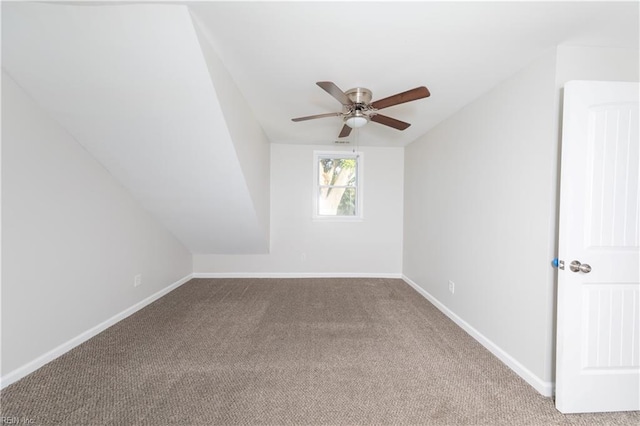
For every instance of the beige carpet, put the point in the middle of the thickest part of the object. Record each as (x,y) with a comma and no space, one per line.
(285,351)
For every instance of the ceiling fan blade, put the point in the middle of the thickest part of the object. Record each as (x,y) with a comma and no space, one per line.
(400,98)
(311,117)
(391,122)
(333,90)
(345,131)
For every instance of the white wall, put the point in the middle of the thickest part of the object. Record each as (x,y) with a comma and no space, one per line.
(478,194)
(73,238)
(480,207)
(301,246)
(595,63)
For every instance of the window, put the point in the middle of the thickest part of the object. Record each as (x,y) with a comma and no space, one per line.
(337,185)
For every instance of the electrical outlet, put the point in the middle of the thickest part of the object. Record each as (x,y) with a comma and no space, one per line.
(452,287)
(137,280)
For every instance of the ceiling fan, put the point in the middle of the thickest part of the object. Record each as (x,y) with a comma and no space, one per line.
(358,110)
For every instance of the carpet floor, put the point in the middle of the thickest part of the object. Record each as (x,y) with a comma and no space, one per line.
(285,351)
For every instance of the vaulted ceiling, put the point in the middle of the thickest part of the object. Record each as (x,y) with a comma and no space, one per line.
(179,100)
(277,51)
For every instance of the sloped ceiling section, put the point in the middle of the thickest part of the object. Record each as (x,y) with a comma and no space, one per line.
(131,84)
(251,144)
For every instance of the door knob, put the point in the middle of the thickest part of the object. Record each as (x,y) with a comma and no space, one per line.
(576,266)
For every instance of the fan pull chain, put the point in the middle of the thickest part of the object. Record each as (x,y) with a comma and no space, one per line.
(356,140)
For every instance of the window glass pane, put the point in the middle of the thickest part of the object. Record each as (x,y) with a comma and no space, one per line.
(337,171)
(337,201)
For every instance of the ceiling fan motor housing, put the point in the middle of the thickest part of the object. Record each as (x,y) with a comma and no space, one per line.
(357,114)
(359,95)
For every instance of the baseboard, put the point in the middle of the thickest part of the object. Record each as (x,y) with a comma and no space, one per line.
(295,275)
(544,388)
(32,366)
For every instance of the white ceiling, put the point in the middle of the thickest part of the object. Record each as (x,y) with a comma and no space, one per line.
(132,83)
(276,51)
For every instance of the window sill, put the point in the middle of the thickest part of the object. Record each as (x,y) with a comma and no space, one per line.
(337,219)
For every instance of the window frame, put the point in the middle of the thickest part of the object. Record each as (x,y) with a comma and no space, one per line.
(359,157)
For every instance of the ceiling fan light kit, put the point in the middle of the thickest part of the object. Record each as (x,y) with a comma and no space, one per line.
(358,110)
(355,120)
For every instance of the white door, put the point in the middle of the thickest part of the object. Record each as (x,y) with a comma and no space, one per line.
(598,334)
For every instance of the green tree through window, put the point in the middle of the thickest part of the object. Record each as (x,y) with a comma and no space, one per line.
(338,186)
